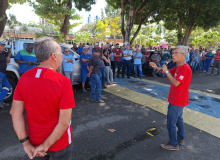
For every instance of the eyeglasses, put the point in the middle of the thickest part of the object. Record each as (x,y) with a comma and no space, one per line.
(66,51)
(85,49)
(176,52)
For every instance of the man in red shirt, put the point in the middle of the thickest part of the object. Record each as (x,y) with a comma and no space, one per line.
(117,59)
(47,97)
(180,78)
(216,62)
(146,55)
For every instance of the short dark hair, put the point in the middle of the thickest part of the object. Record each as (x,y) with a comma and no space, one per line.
(98,50)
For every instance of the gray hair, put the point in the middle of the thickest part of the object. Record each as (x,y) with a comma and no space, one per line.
(44,47)
(183,49)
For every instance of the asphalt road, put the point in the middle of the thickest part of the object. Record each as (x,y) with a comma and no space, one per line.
(92,141)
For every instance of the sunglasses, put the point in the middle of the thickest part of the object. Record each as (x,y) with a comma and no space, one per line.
(66,51)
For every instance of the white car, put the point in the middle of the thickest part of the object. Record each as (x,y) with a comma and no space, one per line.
(12,71)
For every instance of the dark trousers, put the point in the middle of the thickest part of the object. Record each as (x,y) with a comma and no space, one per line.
(144,67)
(66,154)
(113,65)
(126,64)
(117,63)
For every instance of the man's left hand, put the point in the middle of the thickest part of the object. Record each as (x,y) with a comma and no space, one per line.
(40,151)
(164,68)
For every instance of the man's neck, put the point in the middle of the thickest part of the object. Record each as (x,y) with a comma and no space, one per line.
(180,63)
(47,65)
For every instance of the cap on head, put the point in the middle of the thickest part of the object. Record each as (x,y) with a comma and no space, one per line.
(96,44)
(85,47)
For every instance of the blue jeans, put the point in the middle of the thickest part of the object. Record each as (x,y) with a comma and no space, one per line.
(139,68)
(95,84)
(117,63)
(126,64)
(200,65)
(102,75)
(206,65)
(194,65)
(5,86)
(161,64)
(175,119)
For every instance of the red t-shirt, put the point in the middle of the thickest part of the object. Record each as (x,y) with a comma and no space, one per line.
(179,96)
(217,55)
(147,58)
(44,92)
(118,52)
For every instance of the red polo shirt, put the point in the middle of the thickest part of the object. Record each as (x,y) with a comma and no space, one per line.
(45,92)
(118,52)
(179,96)
(217,55)
(147,58)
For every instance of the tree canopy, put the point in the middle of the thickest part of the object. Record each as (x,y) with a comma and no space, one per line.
(134,12)
(60,12)
(4,5)
(184,16)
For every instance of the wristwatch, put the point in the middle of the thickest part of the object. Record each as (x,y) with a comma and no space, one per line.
(166,71)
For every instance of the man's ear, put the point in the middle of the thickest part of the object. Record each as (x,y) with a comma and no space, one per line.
(53,56)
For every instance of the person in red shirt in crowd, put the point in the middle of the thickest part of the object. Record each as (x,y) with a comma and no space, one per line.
(117,59)
(146,55)
(180,78)
(216,63)
(47,97)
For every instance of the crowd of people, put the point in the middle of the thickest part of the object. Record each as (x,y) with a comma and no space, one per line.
(48,99)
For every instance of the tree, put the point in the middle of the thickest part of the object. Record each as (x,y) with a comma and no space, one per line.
(82,37)
(184,16)
(102,30)
(4,5)
(15,27)
(171,37)
(114,23)
(160,29)
(89,27)
(134,12)
(208,39)
(60,12)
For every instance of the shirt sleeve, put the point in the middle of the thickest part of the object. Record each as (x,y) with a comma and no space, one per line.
(181,75)
(73,59)
(67,98)
(18,56)
(64,60)
(17,94)
(173,70)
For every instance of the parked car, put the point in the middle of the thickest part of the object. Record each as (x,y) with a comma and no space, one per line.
(12,71)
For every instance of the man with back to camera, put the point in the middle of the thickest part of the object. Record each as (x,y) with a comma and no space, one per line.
(47,97)
(180,78)
(26,59)
(5,85)
(94,77)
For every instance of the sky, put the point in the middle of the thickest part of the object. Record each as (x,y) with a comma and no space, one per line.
(24,13)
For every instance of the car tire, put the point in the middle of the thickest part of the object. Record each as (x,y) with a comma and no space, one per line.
(10,94)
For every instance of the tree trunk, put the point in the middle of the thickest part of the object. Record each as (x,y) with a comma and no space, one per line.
(64,28)
(185,40)
(130,24)
(136,33)
(3,15)
(123,18)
